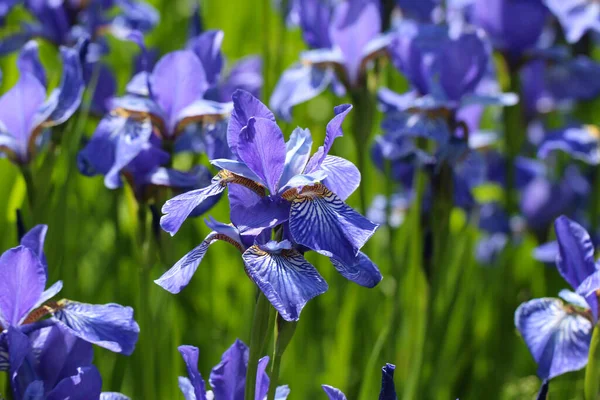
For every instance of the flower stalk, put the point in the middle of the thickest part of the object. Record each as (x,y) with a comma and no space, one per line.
(592,371)
(285,333)
(258,340)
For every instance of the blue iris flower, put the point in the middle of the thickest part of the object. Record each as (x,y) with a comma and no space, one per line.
(48,362)
(558,334)
(388,389)
(582,142)
(24,300)
(343,37)
(25,110)
(576,16)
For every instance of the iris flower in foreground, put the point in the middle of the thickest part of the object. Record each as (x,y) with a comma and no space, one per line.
(228,378)
(25,301)
(558,334)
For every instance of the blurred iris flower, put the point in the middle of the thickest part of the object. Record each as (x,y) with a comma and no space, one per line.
(48,362)
(576,17)
(305,195)
(388,390)
(582,142)
(344,37)
(24,302)
(228,378)
(25,110)
(558,334)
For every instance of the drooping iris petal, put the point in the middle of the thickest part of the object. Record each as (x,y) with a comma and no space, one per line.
(86,384)
(262,148)
(245,106)
(190,357)
(285,277)
(362,271)
(388,390)
(109,325)
(342,178)
(34,240)
(332,132)
(180,274)
(177,209)
(575,261)
(353,26)
(581,142)
(321,221)
(557,337)
(207,47)
(228,378)
(64,100)
(297,85)
(297,153)
(333,393)
(22,281)
(177,81)
(29,61)
(18,108)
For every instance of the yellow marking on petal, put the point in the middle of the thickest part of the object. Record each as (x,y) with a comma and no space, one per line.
(48,308)
(593,130)
(225,238)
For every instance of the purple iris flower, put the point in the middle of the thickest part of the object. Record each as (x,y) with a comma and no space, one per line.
(557,82)
(496,229)
(582,142)
(344,37)
(64,22)
(511,35)
(25,110)
(576,16)
(420,10)
(306,192)
(558,334)
(49,362)
(228,378)
(23,300)
(388,390)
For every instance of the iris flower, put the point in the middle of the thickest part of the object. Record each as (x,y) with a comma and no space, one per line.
(25,301)
(576,16)
(558,334)
(582,142)
(25,110)
(53,365)
(344,37)
(388,390)
(228,378)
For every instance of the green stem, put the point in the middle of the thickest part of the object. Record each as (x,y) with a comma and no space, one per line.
(7,388)
(266,56)
(514,135)
(285,333)
(26,171)
(592,371)
(362,126)
(258,339)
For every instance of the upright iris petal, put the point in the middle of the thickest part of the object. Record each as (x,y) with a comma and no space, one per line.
(284,276)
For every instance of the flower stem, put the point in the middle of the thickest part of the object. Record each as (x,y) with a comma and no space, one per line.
(26,172)
(592,371)
(285,333)
(258,340)
(362,125)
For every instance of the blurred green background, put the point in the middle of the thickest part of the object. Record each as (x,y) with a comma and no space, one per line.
(453,337)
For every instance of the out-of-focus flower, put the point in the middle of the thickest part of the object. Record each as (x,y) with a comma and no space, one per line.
(23,300)
(48,362)
(25,110)
(558,335)
(388,389)
(576,16)
(509,34)
(580,141)
(345,36)
(228,378)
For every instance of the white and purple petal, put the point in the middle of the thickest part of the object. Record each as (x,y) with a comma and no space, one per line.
(297,153)
(22,281)
(237,167)
(581,142)
(342,177)
(262,148)
(558,337)
(362,271)
(113,396)
(177,209)
(321,221)
(285,277)
(107,325)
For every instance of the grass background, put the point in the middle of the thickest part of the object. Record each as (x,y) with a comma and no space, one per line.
(449,338)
